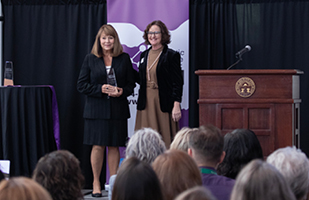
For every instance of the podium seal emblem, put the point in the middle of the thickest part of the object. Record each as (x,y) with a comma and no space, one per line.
(245,87)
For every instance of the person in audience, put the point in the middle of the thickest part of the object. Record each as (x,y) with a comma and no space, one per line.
(181,139)
(260,180)
(22,188)
(59,172)
(177,172)
(136,180)
(206,148)
(196,193)
(145,144)
(240,146)
(294,166)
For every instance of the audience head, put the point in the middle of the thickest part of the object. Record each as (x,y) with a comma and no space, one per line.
(177,172)
(206,146)
(294,166)
(145,144)
(59,172)
(181,140)
(240,146)
(136,180)
(22,188)
(259,181)
(196,193)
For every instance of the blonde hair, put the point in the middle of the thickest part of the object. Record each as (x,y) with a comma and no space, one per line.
(181,140)
(22,188)
(108,30)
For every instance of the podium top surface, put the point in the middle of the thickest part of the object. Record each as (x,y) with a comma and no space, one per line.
(250,72)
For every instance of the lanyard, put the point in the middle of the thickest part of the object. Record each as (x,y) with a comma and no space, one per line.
(208,171)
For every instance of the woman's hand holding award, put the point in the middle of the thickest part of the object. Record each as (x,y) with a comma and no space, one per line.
(111,87)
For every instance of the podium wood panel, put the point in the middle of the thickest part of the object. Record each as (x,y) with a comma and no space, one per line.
(272,111)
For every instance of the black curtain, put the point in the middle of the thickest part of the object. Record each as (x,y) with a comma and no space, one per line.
(47,42)
(277,31)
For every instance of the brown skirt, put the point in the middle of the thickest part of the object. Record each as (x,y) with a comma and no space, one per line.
(153,117)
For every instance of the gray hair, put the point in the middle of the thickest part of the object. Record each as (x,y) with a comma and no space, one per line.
(294,166)
(259,180)
(145,144)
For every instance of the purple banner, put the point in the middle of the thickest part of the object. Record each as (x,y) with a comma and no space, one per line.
(140,12)
(130,18)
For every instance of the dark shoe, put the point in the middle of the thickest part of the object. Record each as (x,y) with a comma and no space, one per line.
(96,195)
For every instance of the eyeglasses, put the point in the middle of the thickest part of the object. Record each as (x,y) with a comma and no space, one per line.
(154,33)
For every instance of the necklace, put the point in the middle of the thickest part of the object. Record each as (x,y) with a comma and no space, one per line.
(149,68)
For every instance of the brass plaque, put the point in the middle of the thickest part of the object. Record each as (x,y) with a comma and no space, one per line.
(245,87)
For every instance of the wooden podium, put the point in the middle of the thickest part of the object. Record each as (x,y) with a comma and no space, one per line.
(265,101)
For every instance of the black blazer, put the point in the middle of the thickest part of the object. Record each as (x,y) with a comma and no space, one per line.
(91,78)
(170,79)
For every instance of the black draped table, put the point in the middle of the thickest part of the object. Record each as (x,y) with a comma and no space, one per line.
(29,126)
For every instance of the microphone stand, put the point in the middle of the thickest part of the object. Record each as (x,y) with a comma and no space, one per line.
(239,59)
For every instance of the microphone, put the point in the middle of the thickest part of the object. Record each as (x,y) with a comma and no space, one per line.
(239,54)
(244,50)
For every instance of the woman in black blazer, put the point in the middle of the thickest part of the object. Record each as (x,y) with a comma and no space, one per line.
(161,84)
(106,109)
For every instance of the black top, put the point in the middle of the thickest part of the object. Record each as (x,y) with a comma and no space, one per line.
(170,79)
(91,78)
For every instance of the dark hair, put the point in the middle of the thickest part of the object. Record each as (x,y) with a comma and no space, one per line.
(207,143)
(241,146)
(165,34)
(107,29)
(59,172)
(136,180)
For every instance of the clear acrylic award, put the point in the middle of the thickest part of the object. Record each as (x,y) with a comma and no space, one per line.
(111,77)
(8,73)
